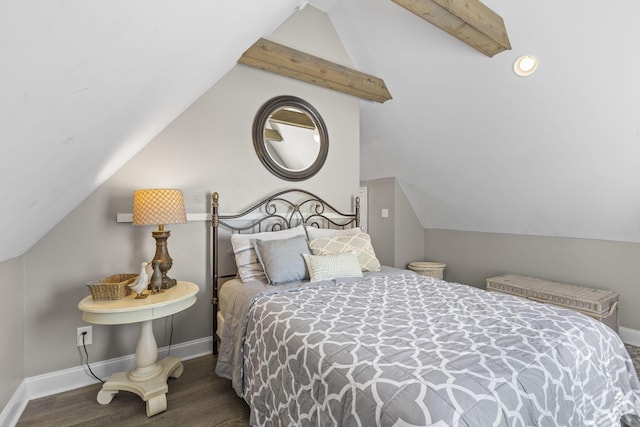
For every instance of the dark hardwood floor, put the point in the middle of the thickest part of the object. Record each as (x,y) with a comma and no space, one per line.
(634,352)
(197,398)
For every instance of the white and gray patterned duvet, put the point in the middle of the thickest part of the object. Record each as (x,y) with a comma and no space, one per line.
(399,349)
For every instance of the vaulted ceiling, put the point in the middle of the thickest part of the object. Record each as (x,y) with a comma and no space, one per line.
(476,147)
(85,85)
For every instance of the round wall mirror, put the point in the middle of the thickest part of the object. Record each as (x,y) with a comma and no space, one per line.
(290,138)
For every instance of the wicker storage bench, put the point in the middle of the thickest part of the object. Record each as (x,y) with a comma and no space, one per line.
(597,303)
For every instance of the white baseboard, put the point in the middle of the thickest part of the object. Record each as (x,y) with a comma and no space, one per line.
(629,336)
(79,376)
(11,413)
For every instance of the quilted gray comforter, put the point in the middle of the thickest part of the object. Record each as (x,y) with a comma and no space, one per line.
(400,349)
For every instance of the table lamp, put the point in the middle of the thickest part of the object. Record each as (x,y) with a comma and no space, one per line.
(159,206)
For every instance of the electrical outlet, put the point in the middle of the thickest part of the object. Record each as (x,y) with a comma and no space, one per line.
(87,338)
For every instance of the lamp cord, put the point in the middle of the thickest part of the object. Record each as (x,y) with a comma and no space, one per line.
(170,336)
(87,355)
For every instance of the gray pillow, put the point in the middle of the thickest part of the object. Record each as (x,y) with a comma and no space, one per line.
(282,259)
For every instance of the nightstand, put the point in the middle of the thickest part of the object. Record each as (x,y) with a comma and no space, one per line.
(149,379)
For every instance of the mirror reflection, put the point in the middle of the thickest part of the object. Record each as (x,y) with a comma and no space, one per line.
(290,138)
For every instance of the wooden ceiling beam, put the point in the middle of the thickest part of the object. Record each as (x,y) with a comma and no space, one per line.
(272,135)
(468,20)
(270,56)
(292,118)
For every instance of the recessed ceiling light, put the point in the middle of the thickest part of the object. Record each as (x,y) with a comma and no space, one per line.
(525,65)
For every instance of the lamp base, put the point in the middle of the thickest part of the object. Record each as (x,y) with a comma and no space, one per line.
(170,283)
(161,262)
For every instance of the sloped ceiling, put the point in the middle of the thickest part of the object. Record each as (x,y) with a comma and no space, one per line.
(86,84)
(476,147)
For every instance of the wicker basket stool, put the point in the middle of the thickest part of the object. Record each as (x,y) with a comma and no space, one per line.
(428,268)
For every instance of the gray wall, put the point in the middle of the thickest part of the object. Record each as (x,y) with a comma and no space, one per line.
(409,242)
(399,238)
(380,194)
(208,148)
(12,369)
(471,257)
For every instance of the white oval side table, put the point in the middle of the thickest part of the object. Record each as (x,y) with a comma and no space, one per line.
(149,379)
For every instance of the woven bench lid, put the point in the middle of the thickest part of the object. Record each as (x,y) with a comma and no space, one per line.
(426,264)
(565,294)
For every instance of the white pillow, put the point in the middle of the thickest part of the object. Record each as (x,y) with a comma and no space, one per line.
(315,232)
(249,268)
(359,243)
(327,267)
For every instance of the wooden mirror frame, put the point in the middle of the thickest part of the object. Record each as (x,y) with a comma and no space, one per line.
(267,109)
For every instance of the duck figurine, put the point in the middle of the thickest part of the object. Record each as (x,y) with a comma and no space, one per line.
(156,279)
(141,283)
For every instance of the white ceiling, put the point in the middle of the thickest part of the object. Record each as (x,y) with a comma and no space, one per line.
(476,147)
(84,85)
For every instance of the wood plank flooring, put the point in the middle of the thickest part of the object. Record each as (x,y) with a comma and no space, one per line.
(197,398)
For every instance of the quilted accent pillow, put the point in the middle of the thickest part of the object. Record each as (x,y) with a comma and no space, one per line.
(315,232)
(282,259)
(327,267)
(359,243)
(249,267)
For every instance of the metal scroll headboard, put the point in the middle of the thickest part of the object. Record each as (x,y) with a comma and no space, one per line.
(279,211)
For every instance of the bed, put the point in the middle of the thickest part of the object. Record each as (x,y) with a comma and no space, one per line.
(350,342)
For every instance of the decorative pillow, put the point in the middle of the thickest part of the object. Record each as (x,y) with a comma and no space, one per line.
(282,259)
(249,267)
(315,232)
(327,267)
(359,243)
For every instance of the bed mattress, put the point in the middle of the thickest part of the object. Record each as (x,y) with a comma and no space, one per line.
(397,348)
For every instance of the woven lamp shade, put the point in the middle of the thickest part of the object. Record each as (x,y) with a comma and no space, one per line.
(158,206)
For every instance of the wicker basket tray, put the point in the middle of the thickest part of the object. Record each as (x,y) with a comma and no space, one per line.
(112,288)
